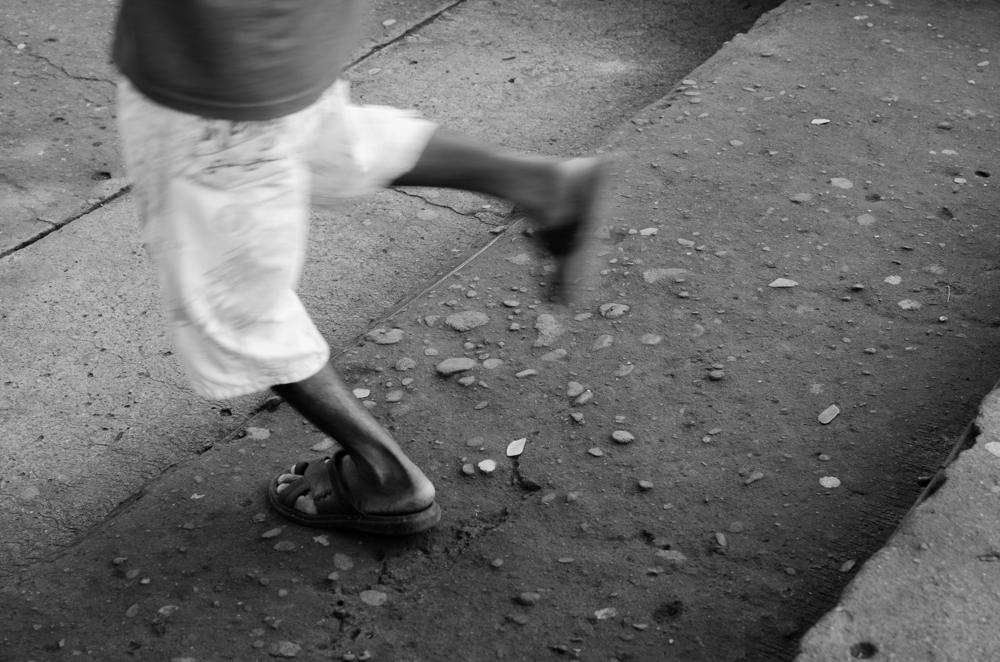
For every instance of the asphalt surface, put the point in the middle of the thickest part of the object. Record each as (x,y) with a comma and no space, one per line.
(928,595)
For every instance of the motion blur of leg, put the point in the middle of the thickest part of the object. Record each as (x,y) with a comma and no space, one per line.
(561,196)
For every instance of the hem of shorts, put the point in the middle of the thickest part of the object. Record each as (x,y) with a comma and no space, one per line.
(229,391)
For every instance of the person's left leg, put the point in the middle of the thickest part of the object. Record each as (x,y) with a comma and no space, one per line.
(378,475)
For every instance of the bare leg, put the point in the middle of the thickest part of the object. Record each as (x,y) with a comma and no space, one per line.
(378,474)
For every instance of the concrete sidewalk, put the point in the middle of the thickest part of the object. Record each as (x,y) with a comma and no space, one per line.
(738,168)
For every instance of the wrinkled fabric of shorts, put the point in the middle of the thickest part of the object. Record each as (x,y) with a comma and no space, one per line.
(224,212)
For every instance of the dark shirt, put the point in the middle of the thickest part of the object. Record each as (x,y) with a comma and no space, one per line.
(235,59)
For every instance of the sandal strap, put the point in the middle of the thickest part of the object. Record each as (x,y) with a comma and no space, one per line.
(333,481)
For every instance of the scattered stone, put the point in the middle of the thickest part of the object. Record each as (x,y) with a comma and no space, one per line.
(271,533)
(323,445)
(342,562)
(529,598)
(526,373)
(487,466)
(596,452)
(672,556)
(866,219)
(573,389)
(284,546)
(361,393)
(847,566)
(475,442)
(583,317)
(514,326)
(521,259)
(511,303)
(584,398)
(603,342)
(467,381)
(385,337)
(373,598)
(622,437)
(993,447)
(614,310)
(577,417)
(452,366)
(754,477)
(820,122)
(737,527)
(716,375)
(431,320)
(829,414)
(430,351)
(946,125)
(468,469)
(520,619)
(491,364)
(466,321)
(481,405)
(800,198)
(687,243)
(284,649)
(394,396)
(548,330)
(554,355)
(132,611)
(909,304)
(651,339)
(323,540)
(842,182)
(516,447)
(624,370)
(720,539)
(893,280)
(782,282)
(405,364)
(829,482)
(645,485)
(648,232)
(606,613)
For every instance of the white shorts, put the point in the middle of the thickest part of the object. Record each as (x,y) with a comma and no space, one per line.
(224,208)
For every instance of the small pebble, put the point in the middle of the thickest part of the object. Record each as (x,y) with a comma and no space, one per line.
(385,337)
(603,342)
(624,370)
(373,598)
(596,452)
(526,373)
(622,437)
(573,389)
(716,375)
(272,533)
(528,598)
(645,485)
(452,366)
(754,477)
(614,310)
(487,466)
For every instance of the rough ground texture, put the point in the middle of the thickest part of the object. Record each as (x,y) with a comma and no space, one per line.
(718,533)
(97,405)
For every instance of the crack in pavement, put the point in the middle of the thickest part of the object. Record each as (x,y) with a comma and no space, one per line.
(61,224)
(427,20)
(27,50)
